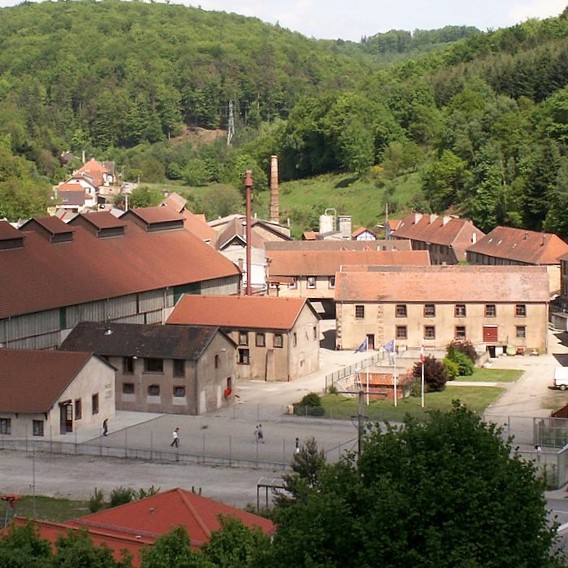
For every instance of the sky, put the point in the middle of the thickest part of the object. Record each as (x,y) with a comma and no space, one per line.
(353,19)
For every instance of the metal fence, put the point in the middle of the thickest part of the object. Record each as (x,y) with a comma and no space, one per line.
(207,449)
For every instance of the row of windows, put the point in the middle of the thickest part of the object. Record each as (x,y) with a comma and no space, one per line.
(153,365)
(460,332)
(460,311)
(277,338)
(153,390)
(6,427)
(311,282)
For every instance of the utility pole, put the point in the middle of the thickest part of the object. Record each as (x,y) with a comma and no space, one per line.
(230,124)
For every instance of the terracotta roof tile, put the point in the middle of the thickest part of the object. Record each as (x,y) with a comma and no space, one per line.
(326,263)
(32,381)
(336,245)
(160,513)
(519,245)
(139,523)
(41,275)
(445,284)
(448,231)
(251,312)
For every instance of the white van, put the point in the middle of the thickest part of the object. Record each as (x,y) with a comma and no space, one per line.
(561,378)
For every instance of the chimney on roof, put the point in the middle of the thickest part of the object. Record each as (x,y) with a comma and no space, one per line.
(274,206)
(433,217)
(473,238)
(446,219)
(543,240)
(417,217)
(526,235)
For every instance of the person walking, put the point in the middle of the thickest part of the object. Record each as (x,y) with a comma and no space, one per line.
(260,434)
(297,446)
(105,427)
(175,438)
(538,451)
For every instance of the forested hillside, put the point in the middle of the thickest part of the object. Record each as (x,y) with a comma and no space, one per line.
(481,118)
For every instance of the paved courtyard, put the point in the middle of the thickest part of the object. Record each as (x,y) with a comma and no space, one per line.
(228,433)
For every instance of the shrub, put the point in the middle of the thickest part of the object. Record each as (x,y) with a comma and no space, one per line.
(464,347)
(332,389)
(311,399)
(121,496)
(463,362)
(452,368)
(435,375)
(96,501)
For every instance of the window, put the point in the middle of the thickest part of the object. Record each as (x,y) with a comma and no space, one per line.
(429,310)
(243,357)
(260,340)
(179,368)
(429,332)
(127,365)
(179,391)
(217,361)
(315,332)
(331,281)
(127,388)
(460,332)
(490,310)
(294,339)
(153,390)
(152,365)
(278,340)
(401,311)
(293,285)
(521,332)
(78,409)
(6,426)
(460,311)
(311,281)
(95,403)
(243,338)
(37,427)
(359,312)
(521,310)
(401,332)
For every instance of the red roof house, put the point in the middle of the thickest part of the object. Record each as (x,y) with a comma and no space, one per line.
(139,524)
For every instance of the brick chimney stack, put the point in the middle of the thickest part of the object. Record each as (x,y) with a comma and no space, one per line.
(274,206)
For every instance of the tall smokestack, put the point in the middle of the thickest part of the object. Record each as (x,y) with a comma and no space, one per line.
(274,208)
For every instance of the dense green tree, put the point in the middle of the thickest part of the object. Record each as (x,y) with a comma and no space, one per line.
(442,493)
(22,547)
(235,545)
(173,550)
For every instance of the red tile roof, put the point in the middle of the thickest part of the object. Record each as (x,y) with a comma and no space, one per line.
(519,245)
(431,229)
(140,523)
(445,284)
(93,169)
(32,381)
(337,245)
(327,263)
(42,275)
(197,225)
(250,312)
(360,231)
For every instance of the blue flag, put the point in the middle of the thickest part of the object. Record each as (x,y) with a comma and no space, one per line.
(363,347)
(389,347)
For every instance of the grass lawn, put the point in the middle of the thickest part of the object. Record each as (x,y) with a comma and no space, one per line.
(47,508)
(475,398)
(493,375)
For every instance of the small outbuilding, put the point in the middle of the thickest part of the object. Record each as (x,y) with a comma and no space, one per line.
(45,393)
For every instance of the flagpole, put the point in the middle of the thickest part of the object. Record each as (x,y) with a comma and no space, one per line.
(394,374)
(422,377)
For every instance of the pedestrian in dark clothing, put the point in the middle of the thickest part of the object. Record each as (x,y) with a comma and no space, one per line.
(105,427)
(297,447)
(259,434)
